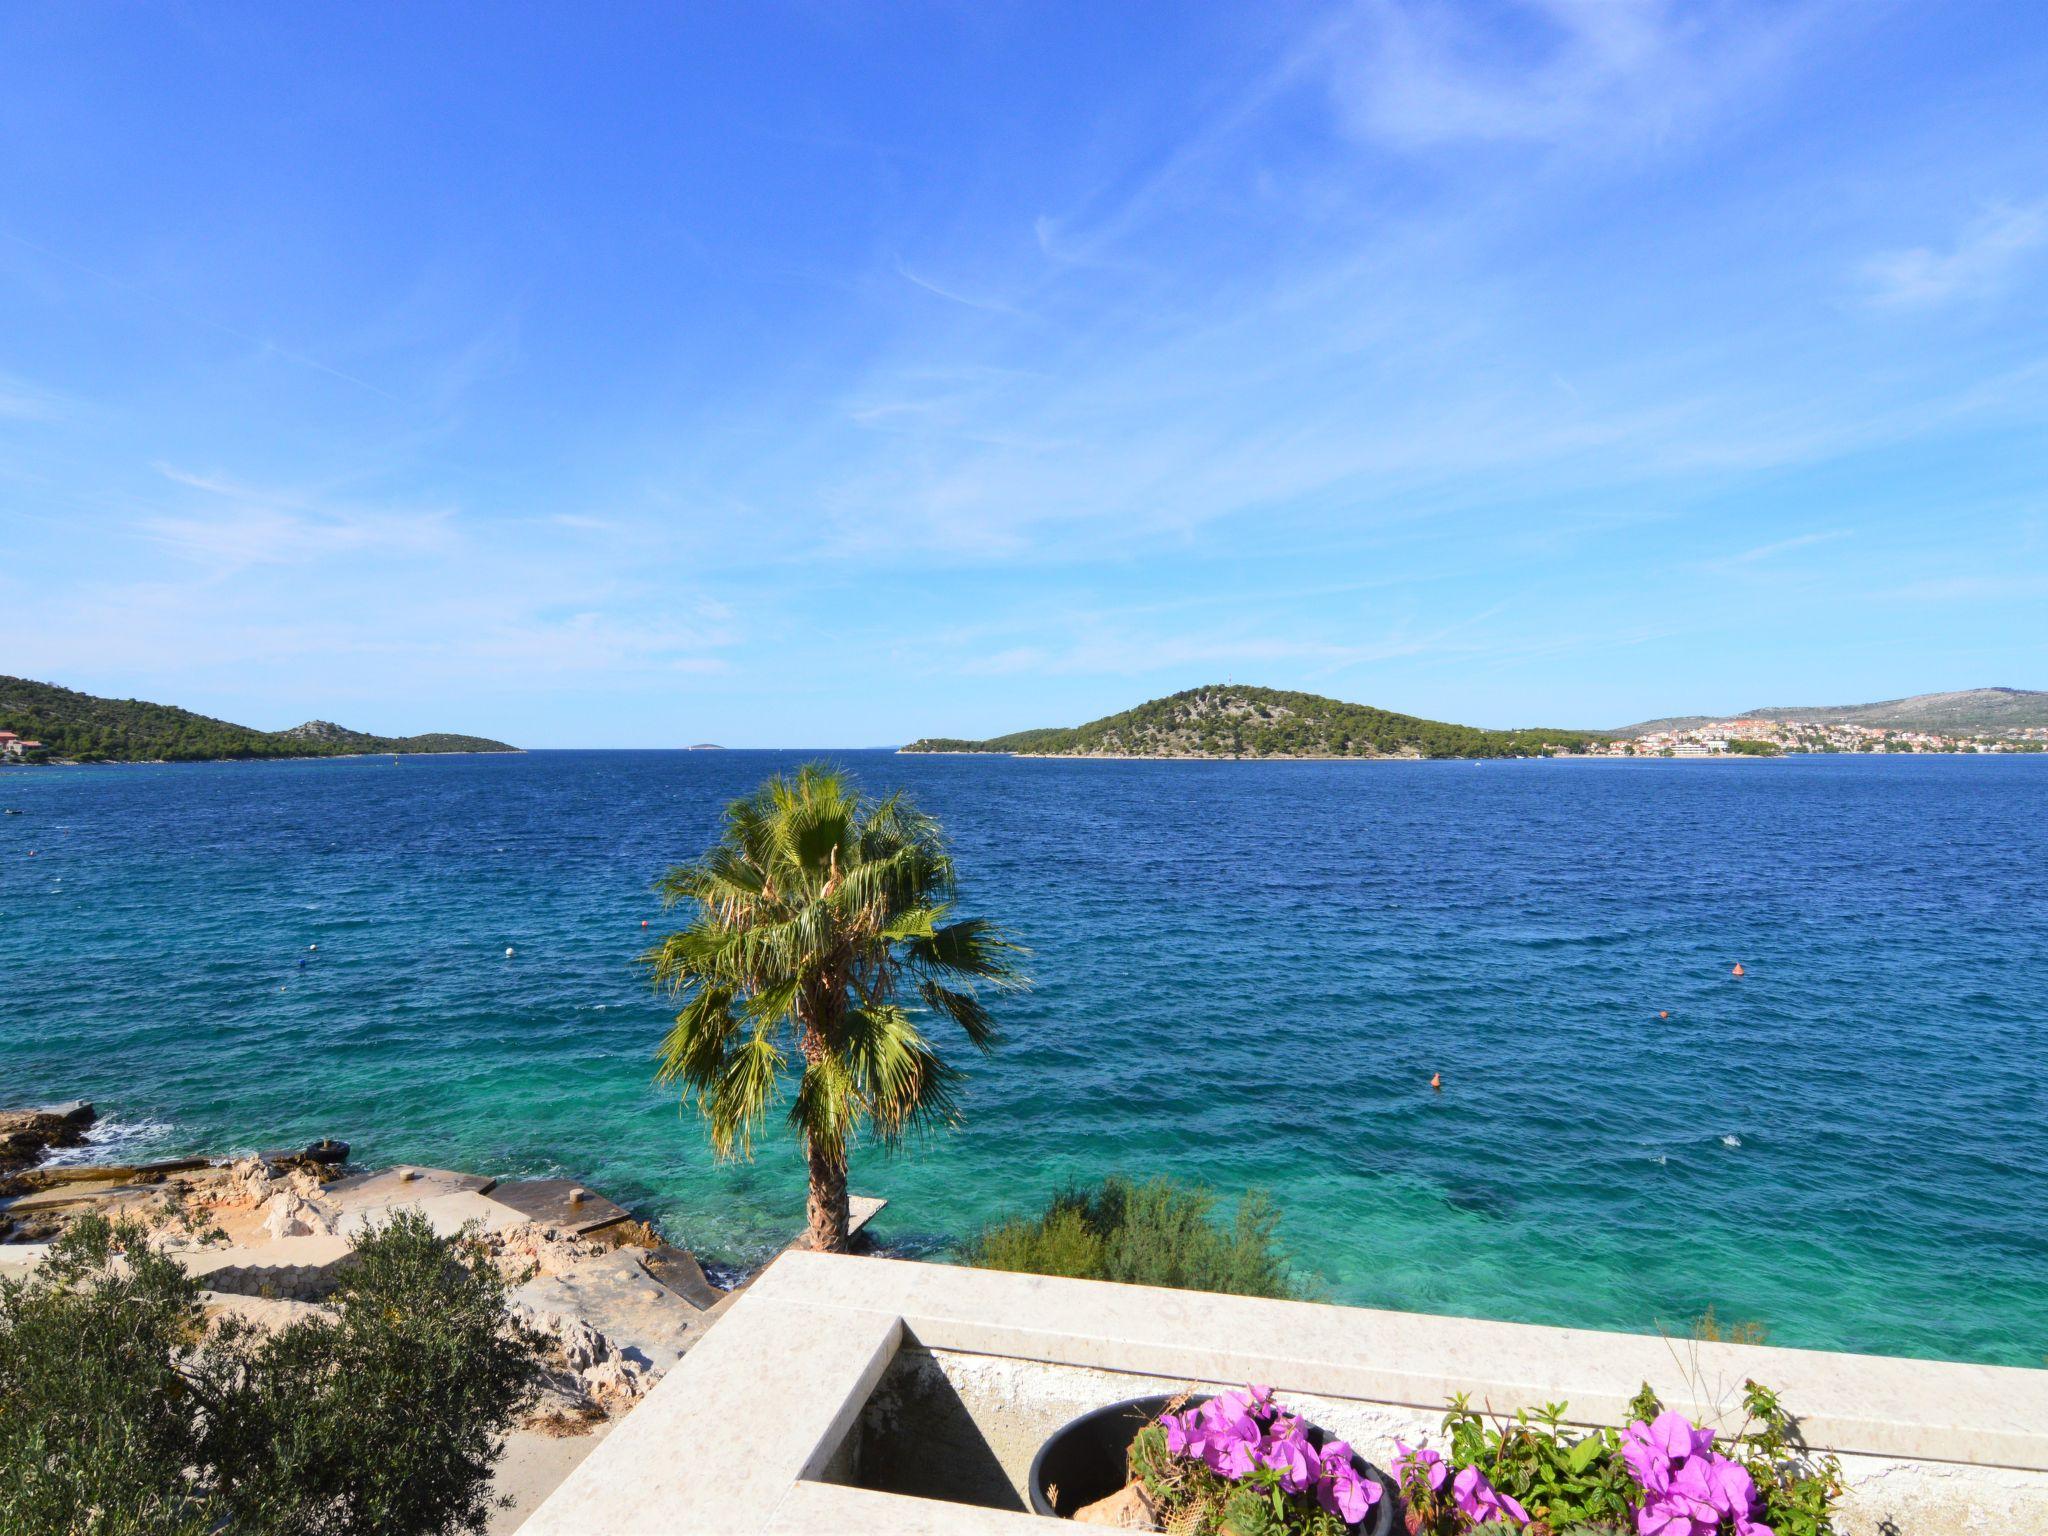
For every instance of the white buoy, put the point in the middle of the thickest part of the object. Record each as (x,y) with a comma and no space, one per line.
(508,951)
(312,946)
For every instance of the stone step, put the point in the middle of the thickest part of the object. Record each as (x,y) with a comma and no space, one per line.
(291,1268)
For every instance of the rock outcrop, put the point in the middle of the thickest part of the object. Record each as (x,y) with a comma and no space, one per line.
(26,1134)
(586,1370)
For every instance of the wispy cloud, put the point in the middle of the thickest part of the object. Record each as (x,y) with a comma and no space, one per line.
(1781,547)
(230,527)
(22,401)
(1984,257)
(953,296)
(1434,73)
(601,643)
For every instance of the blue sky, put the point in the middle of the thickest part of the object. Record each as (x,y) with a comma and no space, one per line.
(835,374)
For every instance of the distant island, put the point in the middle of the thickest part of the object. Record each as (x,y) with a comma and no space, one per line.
(1971,712)
(1226,721)
(704,746)
(42,722)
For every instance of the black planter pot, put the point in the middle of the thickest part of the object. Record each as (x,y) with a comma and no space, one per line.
(1088,1458)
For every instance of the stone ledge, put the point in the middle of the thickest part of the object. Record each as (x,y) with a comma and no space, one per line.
(1982,1415)
(751,1430)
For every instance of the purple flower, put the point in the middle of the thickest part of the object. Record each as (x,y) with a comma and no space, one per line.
(1663,1517)
(1694,1490)
(1428,1461)
(1256,1401)
(1647,1464)
(1287,1451)
(1480,1503)
(1730,1487)
(1340,1489)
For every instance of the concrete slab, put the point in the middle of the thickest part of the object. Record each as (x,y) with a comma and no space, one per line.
(763,1401)
(17,1259)
(679,1270)
(615,1294)
(862,1209)
(447,1213)
(69,1196)
(533,1467)
(407,1181)
(560,1203)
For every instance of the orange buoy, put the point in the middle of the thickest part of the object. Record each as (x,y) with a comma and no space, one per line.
(1436,1081)
(1662,1014)
(1738,971)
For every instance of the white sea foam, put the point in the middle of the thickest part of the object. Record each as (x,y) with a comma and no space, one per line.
(112,1140)
(1731,1141)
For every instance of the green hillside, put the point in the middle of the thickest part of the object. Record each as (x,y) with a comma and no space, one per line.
(1969,712)
(1230,721)
(86,729)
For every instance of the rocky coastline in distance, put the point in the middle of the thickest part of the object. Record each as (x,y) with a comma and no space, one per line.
(1224,722)
(41,723)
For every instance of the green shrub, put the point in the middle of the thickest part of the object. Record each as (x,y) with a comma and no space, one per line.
(122,1412)
(1151,1233)
(1578,1483)
(100,1412)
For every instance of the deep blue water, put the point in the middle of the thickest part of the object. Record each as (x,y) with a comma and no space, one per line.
(1246,974)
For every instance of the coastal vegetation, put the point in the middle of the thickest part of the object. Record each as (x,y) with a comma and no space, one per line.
(83,728)
(1661,1474)
(125,1411)
(1231,721)
(821,934)
(1154,1232)
(1242,1462)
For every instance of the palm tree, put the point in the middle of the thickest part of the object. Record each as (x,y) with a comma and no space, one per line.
(820,921)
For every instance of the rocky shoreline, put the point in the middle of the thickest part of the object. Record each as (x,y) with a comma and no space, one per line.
(267,1235)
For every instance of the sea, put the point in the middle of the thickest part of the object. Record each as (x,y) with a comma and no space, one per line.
(1247,974)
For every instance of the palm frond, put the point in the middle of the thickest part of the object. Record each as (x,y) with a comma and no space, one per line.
(971,947)
(964,1009)
(747,1086)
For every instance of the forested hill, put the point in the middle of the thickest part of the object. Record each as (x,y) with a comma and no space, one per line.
(1229,721)
(86,729)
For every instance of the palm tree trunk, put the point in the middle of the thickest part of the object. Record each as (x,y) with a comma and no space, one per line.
(825,1210)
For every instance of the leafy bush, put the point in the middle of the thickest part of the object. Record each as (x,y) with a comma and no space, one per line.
(99,1417)
(1594,1483)
(1241,1463)
(1151,1233)
(122,1411)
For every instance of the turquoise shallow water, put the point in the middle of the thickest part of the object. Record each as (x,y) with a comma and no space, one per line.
(1247,974)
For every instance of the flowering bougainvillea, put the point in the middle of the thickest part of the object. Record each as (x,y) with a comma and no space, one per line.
(1242,1462)
(1690,1488)
(1471,1498)
(1663,1475)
